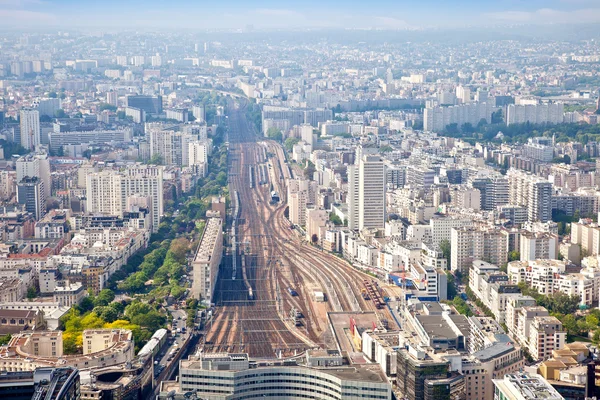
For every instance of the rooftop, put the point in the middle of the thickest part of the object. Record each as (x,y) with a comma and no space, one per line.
(528,386)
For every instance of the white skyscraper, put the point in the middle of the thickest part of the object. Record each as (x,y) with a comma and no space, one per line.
(371,195)
(366,193)
(30,129)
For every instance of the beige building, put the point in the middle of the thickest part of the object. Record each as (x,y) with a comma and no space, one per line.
(546,335)
(207,260)
(316,223)
(27,351)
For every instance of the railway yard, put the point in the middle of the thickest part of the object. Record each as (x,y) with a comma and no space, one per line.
(267,297)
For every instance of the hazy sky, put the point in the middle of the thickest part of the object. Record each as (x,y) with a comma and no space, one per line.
(228,14)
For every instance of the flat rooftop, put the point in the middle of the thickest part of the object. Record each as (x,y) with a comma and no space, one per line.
(529,386)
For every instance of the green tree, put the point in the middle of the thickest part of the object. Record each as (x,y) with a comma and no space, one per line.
(446,250)
(274,133)
(106,106)
(156,159)
(467,127)
(221,178)
(335,219)
(31,293)
(104,297)
(290,143)
(60,113)
(52,95)
(514,256)
(451,280)
(5,339)
(87,304)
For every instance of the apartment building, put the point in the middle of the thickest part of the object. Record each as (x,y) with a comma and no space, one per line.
(536,246)
(108,191)
(549,276)
(532,192)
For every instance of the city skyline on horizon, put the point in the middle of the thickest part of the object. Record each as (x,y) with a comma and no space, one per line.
(383,14)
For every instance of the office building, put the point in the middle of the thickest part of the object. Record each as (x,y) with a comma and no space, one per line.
(30,129)
(324,375)
(60,383)
(524,386)
(60,139)
(31,193)
(149,104)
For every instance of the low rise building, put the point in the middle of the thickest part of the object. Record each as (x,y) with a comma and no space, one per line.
(325,374)
(27,351)
(524,386)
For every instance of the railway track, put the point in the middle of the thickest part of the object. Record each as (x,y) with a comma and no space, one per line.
(241,323)
(270,259)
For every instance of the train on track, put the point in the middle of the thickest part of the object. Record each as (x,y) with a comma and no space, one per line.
(236,215)
(251,177)
(274,197)
(246,281)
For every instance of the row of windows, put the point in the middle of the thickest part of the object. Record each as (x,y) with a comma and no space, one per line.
(278,390)
(260,382)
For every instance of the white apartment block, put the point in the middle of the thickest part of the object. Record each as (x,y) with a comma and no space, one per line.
(532,192)
(546,334)
(535,114)
(441,227)
(30,129)
(107,191)
(538,151)
(549,276)
(492,287)
(535,246)
(171,144)
(466,245)
(466,198)
(437,118)
(587,235)
(469,243)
